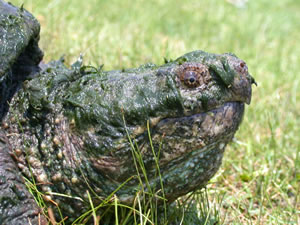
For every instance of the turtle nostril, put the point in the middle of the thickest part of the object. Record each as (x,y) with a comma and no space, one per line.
(242,64)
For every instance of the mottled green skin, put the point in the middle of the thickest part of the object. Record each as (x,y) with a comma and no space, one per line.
(19,52)
(71,126)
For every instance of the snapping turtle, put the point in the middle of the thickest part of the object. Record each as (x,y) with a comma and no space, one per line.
(83,128)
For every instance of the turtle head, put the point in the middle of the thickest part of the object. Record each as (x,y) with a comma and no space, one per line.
(190,108)
(178,117)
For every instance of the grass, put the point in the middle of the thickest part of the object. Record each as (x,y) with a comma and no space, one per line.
(260,176)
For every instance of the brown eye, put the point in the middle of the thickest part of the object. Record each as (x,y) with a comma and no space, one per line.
(193,75)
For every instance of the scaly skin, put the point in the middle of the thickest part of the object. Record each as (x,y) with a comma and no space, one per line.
(70,129)
(17,205)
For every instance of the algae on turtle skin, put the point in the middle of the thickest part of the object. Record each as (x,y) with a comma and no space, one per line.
(75,136)
(69,127)
(19,51)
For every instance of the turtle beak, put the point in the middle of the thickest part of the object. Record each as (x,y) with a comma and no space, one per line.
(242,87)
(252,81)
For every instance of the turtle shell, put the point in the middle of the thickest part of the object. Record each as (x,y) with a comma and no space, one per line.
(19,51)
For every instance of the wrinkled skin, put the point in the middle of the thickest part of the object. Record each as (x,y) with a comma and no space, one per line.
(70,129)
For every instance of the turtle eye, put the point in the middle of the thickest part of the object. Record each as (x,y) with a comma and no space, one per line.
(193,75)
(191,79)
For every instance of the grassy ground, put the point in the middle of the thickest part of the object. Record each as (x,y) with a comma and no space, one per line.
(260,175)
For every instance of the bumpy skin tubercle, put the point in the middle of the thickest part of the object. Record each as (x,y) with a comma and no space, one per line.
(17,205)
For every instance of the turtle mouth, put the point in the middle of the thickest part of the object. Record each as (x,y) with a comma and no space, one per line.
(197,157)
(192,148)
(189,133)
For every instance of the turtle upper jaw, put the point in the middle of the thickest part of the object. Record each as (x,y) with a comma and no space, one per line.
(241,88)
